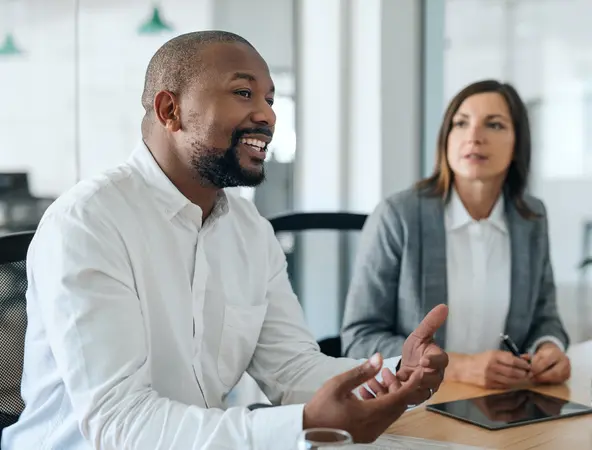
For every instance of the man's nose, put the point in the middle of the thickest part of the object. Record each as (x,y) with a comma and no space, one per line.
(264,115)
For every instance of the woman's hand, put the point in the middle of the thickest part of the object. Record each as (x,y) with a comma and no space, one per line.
(494,369)
(550,365)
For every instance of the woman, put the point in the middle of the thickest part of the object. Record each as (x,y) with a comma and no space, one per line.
(470,237)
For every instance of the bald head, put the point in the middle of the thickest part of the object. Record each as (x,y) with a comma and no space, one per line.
(179,61)
(208,98)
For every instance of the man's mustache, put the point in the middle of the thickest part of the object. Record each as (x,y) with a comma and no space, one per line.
(238,134)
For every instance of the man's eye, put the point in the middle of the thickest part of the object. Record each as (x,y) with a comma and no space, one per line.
(270,101)
(244,93)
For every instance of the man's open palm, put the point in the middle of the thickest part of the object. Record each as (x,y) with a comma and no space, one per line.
(421,353)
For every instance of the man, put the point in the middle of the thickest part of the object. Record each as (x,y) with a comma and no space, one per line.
(151,291)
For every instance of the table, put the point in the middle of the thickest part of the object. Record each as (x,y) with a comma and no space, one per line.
(572,433)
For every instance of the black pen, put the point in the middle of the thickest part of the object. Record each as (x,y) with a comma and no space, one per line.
(511,345)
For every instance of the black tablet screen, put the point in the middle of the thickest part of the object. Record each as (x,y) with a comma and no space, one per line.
(509,409)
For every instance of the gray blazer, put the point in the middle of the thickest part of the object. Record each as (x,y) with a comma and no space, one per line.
(400,275)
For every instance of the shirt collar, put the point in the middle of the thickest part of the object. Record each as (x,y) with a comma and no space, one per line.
(166,194)
(457,215)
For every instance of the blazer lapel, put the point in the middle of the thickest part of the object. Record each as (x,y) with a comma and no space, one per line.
(433,258)
(520,291)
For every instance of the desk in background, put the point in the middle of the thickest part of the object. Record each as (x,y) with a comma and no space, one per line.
(572,433)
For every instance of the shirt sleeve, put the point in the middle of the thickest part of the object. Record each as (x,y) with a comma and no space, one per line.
(288,364)
(82,287)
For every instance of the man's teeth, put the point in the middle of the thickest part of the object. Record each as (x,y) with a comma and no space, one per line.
(255,143)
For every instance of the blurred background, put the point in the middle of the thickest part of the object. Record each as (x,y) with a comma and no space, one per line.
(361,87)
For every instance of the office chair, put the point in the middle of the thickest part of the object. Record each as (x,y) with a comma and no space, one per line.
(21,211)
(13,323)
(338,221)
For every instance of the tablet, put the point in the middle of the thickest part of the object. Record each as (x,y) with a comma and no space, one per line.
(509,409)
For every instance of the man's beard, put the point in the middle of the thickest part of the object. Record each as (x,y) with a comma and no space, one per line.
(221,168)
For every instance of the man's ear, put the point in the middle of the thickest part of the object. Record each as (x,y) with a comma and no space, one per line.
(167,111)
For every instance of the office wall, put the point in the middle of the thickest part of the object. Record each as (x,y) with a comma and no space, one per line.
(38,114)
(58,131)
(47,122)
(267,24)
(358,127)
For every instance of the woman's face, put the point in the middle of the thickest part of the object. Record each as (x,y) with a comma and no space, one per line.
(480,145)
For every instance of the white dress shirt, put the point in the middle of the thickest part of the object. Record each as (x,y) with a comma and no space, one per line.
(142,319)
(478,258)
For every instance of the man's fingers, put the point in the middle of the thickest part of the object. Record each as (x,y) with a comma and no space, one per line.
(431,322)
(392,381)
(437,360)
(388,377)
(376,387)
(418,397)
(403,374)
(365,393)
(431,381)
(350,380)
(398,397)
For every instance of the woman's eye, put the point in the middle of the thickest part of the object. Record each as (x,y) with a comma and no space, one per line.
(244,93)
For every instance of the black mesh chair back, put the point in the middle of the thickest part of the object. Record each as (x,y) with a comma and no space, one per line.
(13,322)
(21,211)
(338,221)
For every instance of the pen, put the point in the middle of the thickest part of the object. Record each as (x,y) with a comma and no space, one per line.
(510,345)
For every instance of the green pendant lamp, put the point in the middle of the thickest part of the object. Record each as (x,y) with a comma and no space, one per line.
(155,24)
(8,47)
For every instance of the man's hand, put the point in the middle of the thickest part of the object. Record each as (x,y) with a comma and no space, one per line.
(421,354)
(550,365)
(494,369)
(335,405)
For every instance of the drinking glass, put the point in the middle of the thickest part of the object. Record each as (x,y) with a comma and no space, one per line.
(324,438)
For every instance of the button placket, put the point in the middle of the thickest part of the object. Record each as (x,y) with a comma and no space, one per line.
(198,289)
(193,220)
(477,248)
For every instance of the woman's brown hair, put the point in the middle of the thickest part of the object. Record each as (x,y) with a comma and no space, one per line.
(441,180)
